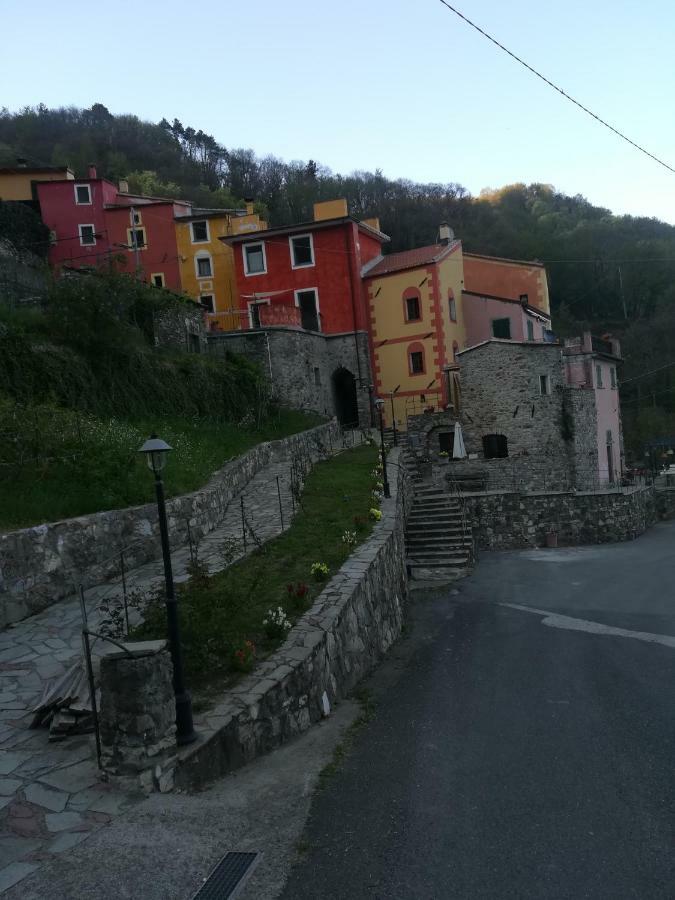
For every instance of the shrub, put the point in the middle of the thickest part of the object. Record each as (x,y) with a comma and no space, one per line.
(320,571)
(276,623)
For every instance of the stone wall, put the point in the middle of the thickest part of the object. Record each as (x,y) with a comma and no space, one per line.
(23,276)
(181,327)
(351,625)
(300,365)
(510,521)
(43,564)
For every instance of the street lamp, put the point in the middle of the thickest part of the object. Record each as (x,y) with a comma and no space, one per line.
(156,450)
(393,414)
(379,403)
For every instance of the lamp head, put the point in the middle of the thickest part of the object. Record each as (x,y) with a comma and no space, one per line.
(155,450)
(379,402)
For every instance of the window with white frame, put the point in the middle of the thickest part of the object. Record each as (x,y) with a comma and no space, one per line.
(598,376)
(207,302)
(82,195)
(137,218)
(612,374)
(302,251)
(254,259)
(157,278)
(136,238)
(87,235)
(452,303)
(204,267)
(308,303)
(530,330)
(544,385)
(200,232)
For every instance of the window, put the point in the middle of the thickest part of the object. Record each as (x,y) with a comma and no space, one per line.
(254,309)
(501,328)
(87,235)
(206,301)
(598,376)
(523,298)
(200,232)
(455,350)
(204,269)
(612,375)
(157,278)
(544,385)
(82,195)
(416,362)
(495,446)
(530,330)
(254,259)
(317,376)
(136,238)
(412,309)
(308,303)
(302,250)
(453,308)
(137,218)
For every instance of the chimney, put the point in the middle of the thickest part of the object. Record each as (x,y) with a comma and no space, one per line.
(249,205)
(445,233)
(330,209)
(21,162)
(91,172)
(123,186)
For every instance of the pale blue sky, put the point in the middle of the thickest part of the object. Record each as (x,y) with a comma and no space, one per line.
(401,85)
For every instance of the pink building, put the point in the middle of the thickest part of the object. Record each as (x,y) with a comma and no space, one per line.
(591,365)
(486,317)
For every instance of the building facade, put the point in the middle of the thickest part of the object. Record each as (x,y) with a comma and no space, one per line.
(18,183)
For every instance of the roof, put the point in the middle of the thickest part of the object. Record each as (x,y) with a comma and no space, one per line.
(505,259)
(510,344)
(304,227)
(33,170)
(527,306)
(412,259)
(211,214)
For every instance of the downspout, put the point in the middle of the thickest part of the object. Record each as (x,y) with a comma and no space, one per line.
(269,359)
(351,291)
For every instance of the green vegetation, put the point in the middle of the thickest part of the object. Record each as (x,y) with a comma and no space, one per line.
(82,384)
(367,704)
(219,614)
(56,463)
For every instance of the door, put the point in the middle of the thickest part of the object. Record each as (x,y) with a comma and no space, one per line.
(255,315)
(309,315)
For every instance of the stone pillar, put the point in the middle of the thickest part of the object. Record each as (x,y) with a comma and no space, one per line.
(138,714)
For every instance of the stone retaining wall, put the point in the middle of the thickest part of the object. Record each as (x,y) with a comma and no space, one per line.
(337,642)
(43,564)
(510,521)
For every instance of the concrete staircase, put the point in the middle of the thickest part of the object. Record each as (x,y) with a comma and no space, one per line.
(439,542)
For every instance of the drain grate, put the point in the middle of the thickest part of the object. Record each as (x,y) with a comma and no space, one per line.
(229,876)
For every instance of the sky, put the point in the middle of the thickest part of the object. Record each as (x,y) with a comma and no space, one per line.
(403,86)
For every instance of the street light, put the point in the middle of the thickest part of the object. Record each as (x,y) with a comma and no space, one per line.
(393,414)
(156,450)
(379,403)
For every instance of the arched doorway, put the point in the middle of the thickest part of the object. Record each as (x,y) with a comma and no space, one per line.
(344,397)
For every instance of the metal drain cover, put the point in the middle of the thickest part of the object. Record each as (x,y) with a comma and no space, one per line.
(229,876)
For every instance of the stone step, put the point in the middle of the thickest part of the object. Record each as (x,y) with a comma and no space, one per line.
(438,541)
(435,517)
(437,561)
(415,529)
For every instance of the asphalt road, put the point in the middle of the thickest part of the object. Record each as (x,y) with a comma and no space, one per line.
(513,753)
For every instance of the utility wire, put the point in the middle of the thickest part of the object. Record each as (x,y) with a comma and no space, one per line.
(556,88)
(646,374)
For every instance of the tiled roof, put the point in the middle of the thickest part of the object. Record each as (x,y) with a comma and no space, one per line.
(411,259)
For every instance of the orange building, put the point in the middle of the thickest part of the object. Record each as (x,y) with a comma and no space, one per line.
(510,279)
(17,183)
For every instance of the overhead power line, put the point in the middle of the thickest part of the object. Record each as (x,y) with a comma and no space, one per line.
(556,88)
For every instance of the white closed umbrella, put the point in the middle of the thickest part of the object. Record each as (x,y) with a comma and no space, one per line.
(458,448)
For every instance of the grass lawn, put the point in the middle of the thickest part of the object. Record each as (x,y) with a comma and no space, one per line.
(55,463)
(220,613)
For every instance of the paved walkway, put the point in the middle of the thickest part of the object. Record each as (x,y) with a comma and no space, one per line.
(51,795)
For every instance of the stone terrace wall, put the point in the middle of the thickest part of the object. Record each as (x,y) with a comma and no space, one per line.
(43,564)
(351,625)
(511,521)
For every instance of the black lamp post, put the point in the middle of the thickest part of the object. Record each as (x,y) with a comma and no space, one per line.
(393,414)
(156,450)
(379,403)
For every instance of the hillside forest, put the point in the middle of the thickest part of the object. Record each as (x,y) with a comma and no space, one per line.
(606,272)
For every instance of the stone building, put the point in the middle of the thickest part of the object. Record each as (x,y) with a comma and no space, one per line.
(535,416)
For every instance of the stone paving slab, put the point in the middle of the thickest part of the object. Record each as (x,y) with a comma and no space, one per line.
(51,794)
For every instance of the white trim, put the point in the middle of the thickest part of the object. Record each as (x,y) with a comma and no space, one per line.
(79,202)
(212,296)
(93,232)
(130,241)
(294,237)
(206,240)
(154,275)
(203,254)
(263,301)
(316,299)
(243,255)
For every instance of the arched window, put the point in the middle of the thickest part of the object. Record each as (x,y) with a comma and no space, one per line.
(412,305)
(416,361)
(452,306)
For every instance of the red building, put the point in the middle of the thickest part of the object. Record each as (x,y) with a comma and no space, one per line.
(93,222)
(307,275)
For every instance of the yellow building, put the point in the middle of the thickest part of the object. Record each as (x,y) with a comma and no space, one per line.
(417,327)
(16,183)
(207,264)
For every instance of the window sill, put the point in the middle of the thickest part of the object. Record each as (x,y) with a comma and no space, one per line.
(304,266)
